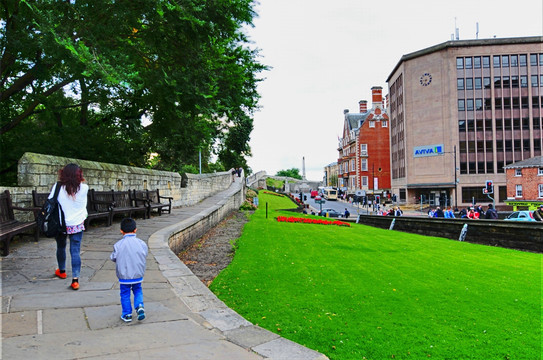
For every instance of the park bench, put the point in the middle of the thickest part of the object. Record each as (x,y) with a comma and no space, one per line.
(153,200)
(96,209)
(123,202)
(9,226)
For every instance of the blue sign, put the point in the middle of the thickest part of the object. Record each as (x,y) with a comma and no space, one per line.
(428,150)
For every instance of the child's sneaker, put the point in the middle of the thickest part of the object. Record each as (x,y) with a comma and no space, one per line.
(141,313)
(60,274)
(126,318)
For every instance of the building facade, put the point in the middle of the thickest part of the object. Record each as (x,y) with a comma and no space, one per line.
(330,175)
(525,184)
(460,112)
(364,149)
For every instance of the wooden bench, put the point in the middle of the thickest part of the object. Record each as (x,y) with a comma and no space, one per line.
(9,226)
(153,200)
(123,202)
(95,209)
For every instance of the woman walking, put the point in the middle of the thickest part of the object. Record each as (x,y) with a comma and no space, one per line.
(73,199)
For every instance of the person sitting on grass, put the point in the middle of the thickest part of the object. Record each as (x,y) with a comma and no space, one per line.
(130,255)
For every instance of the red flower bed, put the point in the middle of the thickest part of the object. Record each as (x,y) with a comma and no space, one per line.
(293,219)
(272,193)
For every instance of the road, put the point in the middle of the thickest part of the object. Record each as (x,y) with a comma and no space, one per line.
(337,205)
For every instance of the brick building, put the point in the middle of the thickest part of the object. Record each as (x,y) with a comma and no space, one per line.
(525,183)
(459,112)
(364,149)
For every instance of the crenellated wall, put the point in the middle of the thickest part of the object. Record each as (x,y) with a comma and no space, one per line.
(39,172)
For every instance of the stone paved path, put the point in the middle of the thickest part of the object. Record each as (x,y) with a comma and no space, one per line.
(42,318)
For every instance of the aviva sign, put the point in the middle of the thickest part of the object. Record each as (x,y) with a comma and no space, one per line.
(428,150)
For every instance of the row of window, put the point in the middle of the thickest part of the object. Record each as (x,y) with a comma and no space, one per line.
(501,145)
(507,102)
(501,124)
(518,190)
(505,82)
(518,172)
(498,61)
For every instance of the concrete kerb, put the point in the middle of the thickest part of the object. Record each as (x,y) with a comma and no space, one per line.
(205,305)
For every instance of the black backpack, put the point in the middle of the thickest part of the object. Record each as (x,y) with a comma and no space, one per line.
(51,217)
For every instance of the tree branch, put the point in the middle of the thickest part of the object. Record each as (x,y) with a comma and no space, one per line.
(29,110)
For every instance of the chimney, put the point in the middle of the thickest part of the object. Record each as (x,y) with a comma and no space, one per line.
(377,97)
(363,106)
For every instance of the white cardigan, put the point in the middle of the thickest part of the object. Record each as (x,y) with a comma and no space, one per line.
(74,207)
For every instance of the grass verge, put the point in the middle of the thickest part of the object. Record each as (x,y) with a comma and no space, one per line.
(365,293)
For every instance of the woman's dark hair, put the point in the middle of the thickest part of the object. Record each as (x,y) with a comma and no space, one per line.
(128,225)
(71,177)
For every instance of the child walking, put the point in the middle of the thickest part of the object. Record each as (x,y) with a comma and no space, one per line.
(130,255)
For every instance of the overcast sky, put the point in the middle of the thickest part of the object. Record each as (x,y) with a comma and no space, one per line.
(326,55)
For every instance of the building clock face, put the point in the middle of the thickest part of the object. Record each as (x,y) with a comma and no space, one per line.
(425,79)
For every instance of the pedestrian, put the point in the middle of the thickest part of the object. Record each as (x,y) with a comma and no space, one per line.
(431,213)
(347,213)
(481,212)
(472,214)
(491,213)
(449,214)
(464,213)
(72,197)
(130,255)
(398,211)
(538,214)
(439,213)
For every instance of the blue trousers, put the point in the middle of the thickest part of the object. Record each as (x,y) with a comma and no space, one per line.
(125,297)
(75,252)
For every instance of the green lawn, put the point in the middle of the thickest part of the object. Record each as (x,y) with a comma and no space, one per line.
(365,293)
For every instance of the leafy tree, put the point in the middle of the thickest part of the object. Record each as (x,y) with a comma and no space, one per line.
(293,173)
(78,77)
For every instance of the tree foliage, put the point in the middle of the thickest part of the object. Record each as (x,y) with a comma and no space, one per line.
(293,173)
(78,77)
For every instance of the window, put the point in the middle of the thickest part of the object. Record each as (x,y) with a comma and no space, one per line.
(353,165)
(469,63)
(486,61)
(479,83)
(469,105)
(469,84)
(533,59)
(372,124)
(540,172)
(363,164)
(384,123)
(506,82)
(540,190)
(514,60)
(364,181)
(461,105)
(460,84)
(505,60)
(459,63)
(477,61)
(514,81)
(522,60)
(486,82)
(478,104)
(534,80)
(523,81)
(496,61)
(497,81)
(541,59)
(518,191)
(363,149)
(518,172)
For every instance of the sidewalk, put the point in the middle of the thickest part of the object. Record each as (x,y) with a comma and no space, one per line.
(42,318)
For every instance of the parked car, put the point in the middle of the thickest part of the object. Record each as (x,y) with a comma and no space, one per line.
(521,216)
(330,212)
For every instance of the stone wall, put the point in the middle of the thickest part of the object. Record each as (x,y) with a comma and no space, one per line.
(39,172)
(514,235)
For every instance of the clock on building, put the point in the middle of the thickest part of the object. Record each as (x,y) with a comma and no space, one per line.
(425,79)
